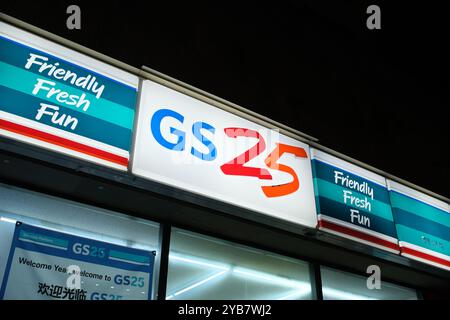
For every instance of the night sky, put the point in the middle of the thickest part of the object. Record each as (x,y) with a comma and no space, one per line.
(380,96)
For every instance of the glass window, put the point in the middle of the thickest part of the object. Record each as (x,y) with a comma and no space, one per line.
(72,218)
(202,267)
(340,285)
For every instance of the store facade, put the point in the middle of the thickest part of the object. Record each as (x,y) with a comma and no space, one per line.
(151,189)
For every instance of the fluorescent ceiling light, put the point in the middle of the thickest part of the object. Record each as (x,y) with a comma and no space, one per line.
(197,262)
(195,285)
(8,220)
(298,293)
(248,273)
(342,295)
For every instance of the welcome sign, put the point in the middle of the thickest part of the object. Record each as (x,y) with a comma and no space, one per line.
(41,262)
(423,225)
(64,101)
(353,202)
(189,144)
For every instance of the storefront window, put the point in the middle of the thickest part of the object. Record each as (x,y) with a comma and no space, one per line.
(121,251)
(339,285)
(202,267)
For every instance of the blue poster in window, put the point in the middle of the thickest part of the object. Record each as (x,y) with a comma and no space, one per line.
(45,264)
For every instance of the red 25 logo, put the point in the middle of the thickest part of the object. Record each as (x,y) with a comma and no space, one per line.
(236,166)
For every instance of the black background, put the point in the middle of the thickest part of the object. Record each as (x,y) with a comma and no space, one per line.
(380,96)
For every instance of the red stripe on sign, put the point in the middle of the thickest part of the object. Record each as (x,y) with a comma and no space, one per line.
(425,256)
(357,234)
(62,142)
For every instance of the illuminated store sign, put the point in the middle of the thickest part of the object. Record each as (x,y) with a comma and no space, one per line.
(64,101)
(353,202)
(423,225)
(189,144)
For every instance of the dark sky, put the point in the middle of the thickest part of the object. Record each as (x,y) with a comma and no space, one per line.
(380,96)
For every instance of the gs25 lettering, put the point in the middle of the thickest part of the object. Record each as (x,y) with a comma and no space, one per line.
(129,281)
(237,165)
(88,250)
(105,296)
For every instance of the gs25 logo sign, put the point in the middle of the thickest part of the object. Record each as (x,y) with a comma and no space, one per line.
(236,166)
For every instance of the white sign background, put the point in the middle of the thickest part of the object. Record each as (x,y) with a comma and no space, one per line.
(181,169)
